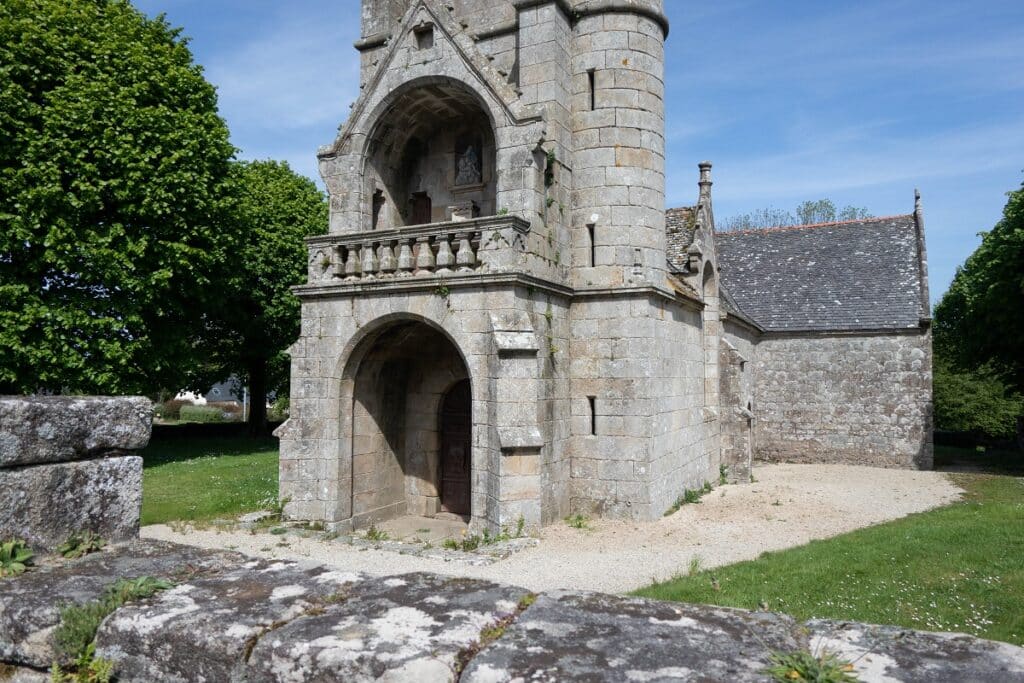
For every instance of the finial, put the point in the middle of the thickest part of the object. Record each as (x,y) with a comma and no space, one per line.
(917,200)
(705,171)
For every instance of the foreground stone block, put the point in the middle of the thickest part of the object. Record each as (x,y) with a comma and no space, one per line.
(204,630)
(30,604)
(402,628)
(45,504)
(595,637)
(46,429)
(890,653)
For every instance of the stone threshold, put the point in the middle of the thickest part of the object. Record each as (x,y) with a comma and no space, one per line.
(484,555)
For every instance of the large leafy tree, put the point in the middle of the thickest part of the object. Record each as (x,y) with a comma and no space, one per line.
(257,316)
(112,164)
(979,323)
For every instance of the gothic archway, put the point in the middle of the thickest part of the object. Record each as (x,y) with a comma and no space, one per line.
(395,387)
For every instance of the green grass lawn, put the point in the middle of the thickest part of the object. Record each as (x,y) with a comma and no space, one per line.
(957,568)
(202,478)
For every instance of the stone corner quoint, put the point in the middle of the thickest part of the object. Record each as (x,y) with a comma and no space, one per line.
(503,321)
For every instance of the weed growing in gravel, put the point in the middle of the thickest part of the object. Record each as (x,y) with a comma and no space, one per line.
(578,521)
(723,474)
(375,534)
(470,543)
(689,496)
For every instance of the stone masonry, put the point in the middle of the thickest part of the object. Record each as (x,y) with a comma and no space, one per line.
(66,466)
(502,321)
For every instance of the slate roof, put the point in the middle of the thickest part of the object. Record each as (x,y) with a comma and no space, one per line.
(680,224)
(852,275)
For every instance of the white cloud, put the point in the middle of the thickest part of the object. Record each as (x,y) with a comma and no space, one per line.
(302,73)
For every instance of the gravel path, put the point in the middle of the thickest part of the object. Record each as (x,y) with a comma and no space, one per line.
(788,506)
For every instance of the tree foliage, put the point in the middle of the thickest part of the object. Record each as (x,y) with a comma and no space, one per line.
(807,213)
(112,159)
(974,401)
(257,317)
(979,323)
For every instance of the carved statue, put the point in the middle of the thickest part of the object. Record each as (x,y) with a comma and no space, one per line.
(468,167)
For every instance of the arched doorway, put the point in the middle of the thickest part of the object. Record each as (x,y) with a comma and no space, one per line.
(409,425)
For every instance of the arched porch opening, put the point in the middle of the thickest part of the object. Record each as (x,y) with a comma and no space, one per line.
(431,157)
(410,426)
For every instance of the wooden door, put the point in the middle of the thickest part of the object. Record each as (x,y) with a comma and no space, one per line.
(456,451)
(421,208)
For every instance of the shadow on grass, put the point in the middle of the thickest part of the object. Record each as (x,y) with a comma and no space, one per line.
(187,442)
(981,460)
(189,476)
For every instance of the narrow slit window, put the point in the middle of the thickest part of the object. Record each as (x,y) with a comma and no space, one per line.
(592,400)
(593,245)
(592,90)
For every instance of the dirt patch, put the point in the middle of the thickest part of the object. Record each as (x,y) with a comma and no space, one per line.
(788,506)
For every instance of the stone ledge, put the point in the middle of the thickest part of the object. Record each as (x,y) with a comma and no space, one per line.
(30,604)
(256,620)
(44,504)
(48,429)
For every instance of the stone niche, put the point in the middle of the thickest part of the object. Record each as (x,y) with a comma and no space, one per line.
(67,466)
(432,159)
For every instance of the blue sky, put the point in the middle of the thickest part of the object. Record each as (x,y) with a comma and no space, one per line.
(859,102)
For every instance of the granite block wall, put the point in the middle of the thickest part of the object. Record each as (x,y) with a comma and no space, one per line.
(861,399)
(637,393)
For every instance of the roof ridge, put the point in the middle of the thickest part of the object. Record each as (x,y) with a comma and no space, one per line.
(781,228)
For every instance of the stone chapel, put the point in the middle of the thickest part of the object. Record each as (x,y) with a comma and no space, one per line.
(503,321)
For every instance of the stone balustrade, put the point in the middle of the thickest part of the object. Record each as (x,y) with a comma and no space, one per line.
(435,249)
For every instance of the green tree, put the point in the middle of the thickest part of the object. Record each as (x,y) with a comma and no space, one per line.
(979,322)
(257,316)
(824,211)
(974,401)
(112,160)
(807,213)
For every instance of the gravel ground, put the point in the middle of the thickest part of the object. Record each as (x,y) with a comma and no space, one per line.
(789,505)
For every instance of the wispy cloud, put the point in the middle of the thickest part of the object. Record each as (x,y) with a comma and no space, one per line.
(299,74)
(827,162)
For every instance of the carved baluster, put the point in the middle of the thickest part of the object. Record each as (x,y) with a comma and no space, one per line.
(370,262)
(387,259)
(445,257)
(465,258)
(338,260)
(352,263)
(424,256)
(405,260)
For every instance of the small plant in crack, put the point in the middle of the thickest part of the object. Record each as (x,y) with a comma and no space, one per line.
(78,623)
(491,633)
(824,667)
(81,544)
(15,557)
(375,534)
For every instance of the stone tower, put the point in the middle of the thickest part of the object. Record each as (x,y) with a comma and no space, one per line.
(491,326)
